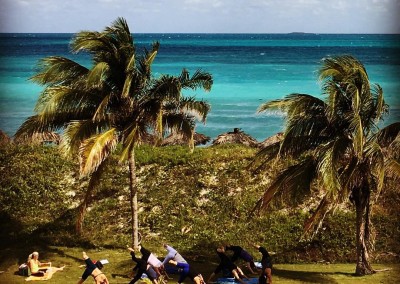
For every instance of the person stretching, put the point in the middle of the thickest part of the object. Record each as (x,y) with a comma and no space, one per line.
(178,258)
(226,263)
(94,270)
(196,277)
(239,252)
(142,267)
(266,263)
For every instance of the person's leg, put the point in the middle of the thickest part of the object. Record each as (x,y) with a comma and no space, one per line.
(237,277)
(184,271)
(268,272)
(248,265)
(241,274)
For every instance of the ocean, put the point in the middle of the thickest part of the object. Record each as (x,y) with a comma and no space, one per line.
(248,70)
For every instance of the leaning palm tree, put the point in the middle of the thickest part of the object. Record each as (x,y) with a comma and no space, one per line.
(115,102)
(336,143)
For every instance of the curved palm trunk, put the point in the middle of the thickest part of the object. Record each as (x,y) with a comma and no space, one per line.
(82,211)
(93,183)
(133,199)
(362,203)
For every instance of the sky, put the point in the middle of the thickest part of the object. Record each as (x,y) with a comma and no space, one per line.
(202,16)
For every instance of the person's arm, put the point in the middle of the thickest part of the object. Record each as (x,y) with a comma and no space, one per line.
(80,281)
(211,277)
(167,258)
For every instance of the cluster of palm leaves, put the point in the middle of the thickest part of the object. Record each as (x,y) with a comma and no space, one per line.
(337,144)
(115,102)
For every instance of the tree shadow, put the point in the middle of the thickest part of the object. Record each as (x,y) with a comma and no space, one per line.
(309,276)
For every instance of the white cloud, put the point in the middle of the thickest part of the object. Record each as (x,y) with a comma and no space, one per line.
(200,15)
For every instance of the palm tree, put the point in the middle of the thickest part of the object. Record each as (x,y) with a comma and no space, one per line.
(337,144)
(115,102)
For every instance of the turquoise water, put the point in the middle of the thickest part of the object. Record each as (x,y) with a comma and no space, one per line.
(248,69)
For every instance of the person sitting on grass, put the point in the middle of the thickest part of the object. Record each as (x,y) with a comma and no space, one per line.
(196,277)
(36,267)
(94,270)
(266,262)
(227,264)
(239,252)
(142,267)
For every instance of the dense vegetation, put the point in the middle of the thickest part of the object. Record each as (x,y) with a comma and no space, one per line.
(191,200)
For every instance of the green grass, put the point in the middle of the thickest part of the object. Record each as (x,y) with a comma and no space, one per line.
(121,264)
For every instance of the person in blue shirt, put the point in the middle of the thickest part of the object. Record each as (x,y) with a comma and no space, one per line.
(182,264)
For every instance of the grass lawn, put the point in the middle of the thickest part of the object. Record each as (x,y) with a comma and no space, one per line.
(120,266)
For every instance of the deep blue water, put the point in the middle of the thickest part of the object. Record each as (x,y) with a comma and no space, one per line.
(248,69)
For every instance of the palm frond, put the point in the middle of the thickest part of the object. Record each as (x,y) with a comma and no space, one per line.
(31,125)
(198,109)
(388,134)
(199,79)
(56,70)
(97,75)
(76,132)
(94,150)
(296,178)
(313,223)
(131,138)
(392,166)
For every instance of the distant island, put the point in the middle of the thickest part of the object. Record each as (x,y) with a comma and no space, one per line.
(300,33)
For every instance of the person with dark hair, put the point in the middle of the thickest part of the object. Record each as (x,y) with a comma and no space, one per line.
(93,269)
(239,252)
(196,277)
(226,263)
(266,262)
(152,260)
(142,267)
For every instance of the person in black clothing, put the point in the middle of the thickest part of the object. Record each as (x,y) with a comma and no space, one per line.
(196,277)
(239,252)
(142,267)
(266,263)
(226,263)
(93,269)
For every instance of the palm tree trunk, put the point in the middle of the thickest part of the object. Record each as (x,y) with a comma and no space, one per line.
(362,203)
(93,183)
(133,199)
(82,211)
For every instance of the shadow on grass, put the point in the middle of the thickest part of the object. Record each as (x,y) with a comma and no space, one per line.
(309,276)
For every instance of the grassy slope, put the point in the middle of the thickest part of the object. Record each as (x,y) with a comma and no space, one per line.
(192,201)
(118,270)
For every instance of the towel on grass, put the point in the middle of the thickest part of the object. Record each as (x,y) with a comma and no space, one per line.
(49,273)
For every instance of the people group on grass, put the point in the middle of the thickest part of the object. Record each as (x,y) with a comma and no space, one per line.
(155,270)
